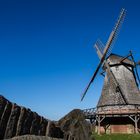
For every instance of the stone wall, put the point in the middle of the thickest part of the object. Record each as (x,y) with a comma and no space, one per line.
(16,121)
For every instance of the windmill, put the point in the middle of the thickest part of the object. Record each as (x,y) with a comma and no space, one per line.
(103,53)
(120,92)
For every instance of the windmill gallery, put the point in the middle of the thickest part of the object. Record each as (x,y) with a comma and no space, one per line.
(118,108)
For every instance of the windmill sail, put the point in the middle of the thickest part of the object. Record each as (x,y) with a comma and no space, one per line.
(106,49)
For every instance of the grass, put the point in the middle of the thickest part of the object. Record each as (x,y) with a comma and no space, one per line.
(117,137)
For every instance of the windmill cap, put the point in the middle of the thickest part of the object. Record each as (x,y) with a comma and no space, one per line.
(117,59)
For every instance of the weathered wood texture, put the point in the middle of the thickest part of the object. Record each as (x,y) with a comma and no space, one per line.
(124,75)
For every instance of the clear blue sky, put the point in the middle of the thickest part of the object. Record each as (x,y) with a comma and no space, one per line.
(46,50)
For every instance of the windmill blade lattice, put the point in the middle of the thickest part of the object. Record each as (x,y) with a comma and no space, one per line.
(116,30)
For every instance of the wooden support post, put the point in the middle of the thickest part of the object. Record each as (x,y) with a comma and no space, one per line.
(106,127)
(99,119)
(99,125)
(135,119)
(136,125)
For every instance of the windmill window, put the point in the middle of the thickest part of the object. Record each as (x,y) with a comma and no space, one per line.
(117,89)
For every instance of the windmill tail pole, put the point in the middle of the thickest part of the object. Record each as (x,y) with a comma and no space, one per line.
(136,71)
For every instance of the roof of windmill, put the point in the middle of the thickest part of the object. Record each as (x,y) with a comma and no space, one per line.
(116,59)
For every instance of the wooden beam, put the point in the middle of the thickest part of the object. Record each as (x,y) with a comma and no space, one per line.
(125,58)
(135,120)
(136,125)
(99,125)
(99,120)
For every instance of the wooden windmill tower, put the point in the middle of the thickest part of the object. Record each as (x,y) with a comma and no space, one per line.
(118,109)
